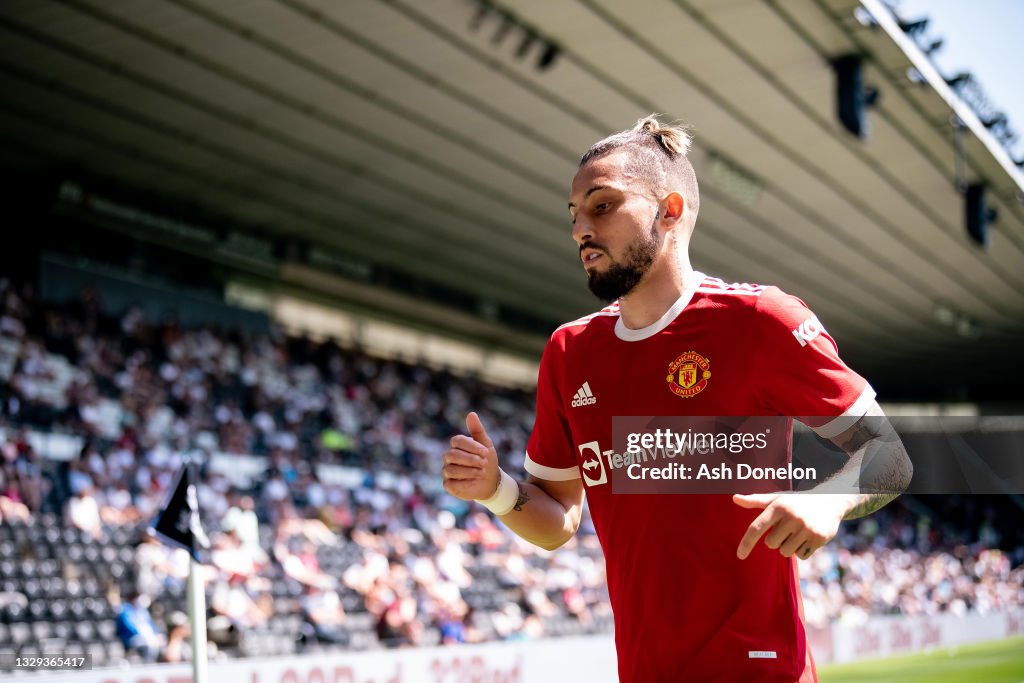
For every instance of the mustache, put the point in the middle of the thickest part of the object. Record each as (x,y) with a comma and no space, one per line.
(592,245)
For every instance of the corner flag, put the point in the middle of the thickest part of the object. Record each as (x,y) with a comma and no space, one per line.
(178,523)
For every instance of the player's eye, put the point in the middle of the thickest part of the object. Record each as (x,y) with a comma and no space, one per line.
(603,206)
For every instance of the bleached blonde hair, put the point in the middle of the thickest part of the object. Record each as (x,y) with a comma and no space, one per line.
(657,156)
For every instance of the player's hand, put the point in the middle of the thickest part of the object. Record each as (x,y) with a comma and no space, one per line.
(796,524)
(470,465)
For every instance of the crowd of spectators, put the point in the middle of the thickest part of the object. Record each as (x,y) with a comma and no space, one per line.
(140,397)
(897,562)
(387,559)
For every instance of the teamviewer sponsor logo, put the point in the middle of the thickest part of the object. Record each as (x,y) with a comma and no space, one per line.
(591,464)
(584,396)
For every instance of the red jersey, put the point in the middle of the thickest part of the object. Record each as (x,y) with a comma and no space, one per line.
(685,607)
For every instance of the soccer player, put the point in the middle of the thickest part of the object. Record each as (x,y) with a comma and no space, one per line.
(703,587)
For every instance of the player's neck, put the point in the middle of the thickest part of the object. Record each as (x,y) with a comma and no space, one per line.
(660,288)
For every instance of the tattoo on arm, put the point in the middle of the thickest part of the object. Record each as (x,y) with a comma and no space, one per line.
(521,500)
(860,435)
(885,468)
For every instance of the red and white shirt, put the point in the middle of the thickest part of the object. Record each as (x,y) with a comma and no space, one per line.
(685,607)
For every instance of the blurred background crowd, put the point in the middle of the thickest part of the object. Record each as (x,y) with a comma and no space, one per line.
(319,486)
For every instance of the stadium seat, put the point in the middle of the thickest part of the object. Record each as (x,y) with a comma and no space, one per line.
(52,535)
(32,588)
(63,629)
(57,588)
(15,613)
(360,621)
(106,630)
(123,538)
(53,645)
(115,651)
(29,649)
(85,631)
(95,608)
(98,654)
(59,609)
(21,633)
(77,609)
(37,609)
(49,568)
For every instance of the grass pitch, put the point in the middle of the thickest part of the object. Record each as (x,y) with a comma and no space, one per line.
(1001,661)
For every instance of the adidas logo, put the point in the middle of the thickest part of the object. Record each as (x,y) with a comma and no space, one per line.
(584,396)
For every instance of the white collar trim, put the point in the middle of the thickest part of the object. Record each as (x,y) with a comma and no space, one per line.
(626,334)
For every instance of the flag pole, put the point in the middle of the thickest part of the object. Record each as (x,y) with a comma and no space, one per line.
(197,621)
(196,588)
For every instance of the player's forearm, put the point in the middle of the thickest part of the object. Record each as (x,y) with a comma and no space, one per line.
(539,518)
(545,513)
(865,504)
(883,478)
(879,469)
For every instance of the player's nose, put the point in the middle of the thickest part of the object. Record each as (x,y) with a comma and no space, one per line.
(582,231)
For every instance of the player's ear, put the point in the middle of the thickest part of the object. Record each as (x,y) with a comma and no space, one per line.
(670,208)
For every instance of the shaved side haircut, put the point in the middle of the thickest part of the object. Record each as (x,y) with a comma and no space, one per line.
(657,156)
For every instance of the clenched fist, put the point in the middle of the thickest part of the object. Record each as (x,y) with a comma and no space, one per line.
(470,465)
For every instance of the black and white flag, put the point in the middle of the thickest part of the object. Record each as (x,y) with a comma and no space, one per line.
(178,522)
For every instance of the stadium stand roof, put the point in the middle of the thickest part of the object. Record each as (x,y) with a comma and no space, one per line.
(435,141)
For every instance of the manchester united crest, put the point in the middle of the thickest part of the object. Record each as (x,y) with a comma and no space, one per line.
(688,374)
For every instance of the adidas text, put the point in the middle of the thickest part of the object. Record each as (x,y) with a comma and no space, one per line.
(584,396)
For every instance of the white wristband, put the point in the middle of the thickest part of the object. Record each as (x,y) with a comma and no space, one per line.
(504,499)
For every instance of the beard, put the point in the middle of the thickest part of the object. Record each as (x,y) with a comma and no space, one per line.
(620,278)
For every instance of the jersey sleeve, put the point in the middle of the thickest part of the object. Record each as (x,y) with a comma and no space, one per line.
(549,452)
(800,373)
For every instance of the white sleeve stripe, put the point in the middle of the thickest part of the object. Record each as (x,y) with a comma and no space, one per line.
(715,290)
(550,473)
(849,417)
